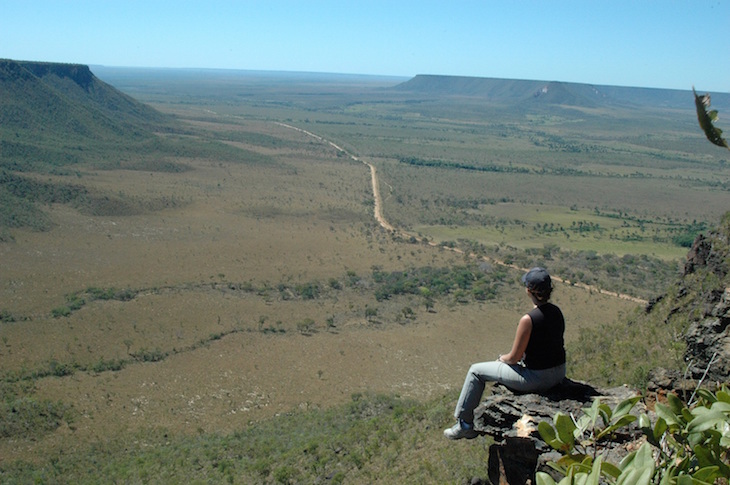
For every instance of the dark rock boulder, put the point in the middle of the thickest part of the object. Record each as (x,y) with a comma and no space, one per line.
(511,419)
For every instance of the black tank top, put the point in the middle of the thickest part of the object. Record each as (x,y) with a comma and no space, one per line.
(546,348)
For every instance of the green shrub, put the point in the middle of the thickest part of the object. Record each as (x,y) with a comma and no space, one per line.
(62,311)
(101,293)
(308,291)
(145,355)
(26,417)
(75,302)
(6,316)
(305,326)
(125,294)
(59,370)
(108,365)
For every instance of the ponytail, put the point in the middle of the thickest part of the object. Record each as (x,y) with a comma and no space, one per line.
(542,294)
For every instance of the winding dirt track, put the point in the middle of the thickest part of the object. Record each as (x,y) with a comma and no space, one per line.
(378,213)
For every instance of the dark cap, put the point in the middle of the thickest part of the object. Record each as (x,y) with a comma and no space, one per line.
(537,279)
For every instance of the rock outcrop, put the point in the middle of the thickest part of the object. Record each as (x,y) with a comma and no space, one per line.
(708,335)
(511,420)
(701,300)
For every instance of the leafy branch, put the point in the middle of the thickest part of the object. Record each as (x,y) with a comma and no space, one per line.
(684,446)
(707,119)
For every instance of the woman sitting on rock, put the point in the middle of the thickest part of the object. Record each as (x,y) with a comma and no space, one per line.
(535,363)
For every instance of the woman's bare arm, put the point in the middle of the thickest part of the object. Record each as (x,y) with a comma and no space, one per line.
(522,336)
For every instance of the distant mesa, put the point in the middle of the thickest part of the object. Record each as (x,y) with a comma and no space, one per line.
(555,93)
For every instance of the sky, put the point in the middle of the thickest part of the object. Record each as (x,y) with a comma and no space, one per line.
(661,44)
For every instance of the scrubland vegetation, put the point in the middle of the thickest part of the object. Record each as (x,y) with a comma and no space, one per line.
(215,302)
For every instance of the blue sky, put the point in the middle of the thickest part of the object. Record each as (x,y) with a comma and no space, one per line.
(668,44)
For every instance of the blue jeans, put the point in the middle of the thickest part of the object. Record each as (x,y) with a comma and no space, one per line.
(516,377)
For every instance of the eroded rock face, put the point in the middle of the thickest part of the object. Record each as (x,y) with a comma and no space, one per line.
(707,252)
(708,342)
(705,279)
(701,301)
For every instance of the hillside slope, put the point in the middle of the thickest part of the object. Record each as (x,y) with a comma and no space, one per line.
(60,119)
(67,102)
(536,93)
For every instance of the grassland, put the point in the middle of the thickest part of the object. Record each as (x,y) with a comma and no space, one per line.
(241,302)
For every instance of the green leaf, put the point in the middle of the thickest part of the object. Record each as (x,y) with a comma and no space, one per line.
(644,421)
(668,477)
(625,406)
(666,414)
(707,460)
(636,476)
(605,412)
(610,469)
(721,406)
(699,410)
(592,412)
(639,458)
(705,421)
(588,420)
(548,434)
(543,478)
(723,396)
(675,404)
(707,474)
(595,474)
(565,426)
(684,480)
(695,439)
(704,457)
(623,421)
(687,415)
(576,461)
(725,435)
(705,396)
(645,427)
(659,429)
(582,424)
(638,467)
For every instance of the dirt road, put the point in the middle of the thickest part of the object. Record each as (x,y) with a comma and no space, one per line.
(378,210)
(378,214)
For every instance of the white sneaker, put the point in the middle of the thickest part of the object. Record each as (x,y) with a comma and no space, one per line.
(456,432)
